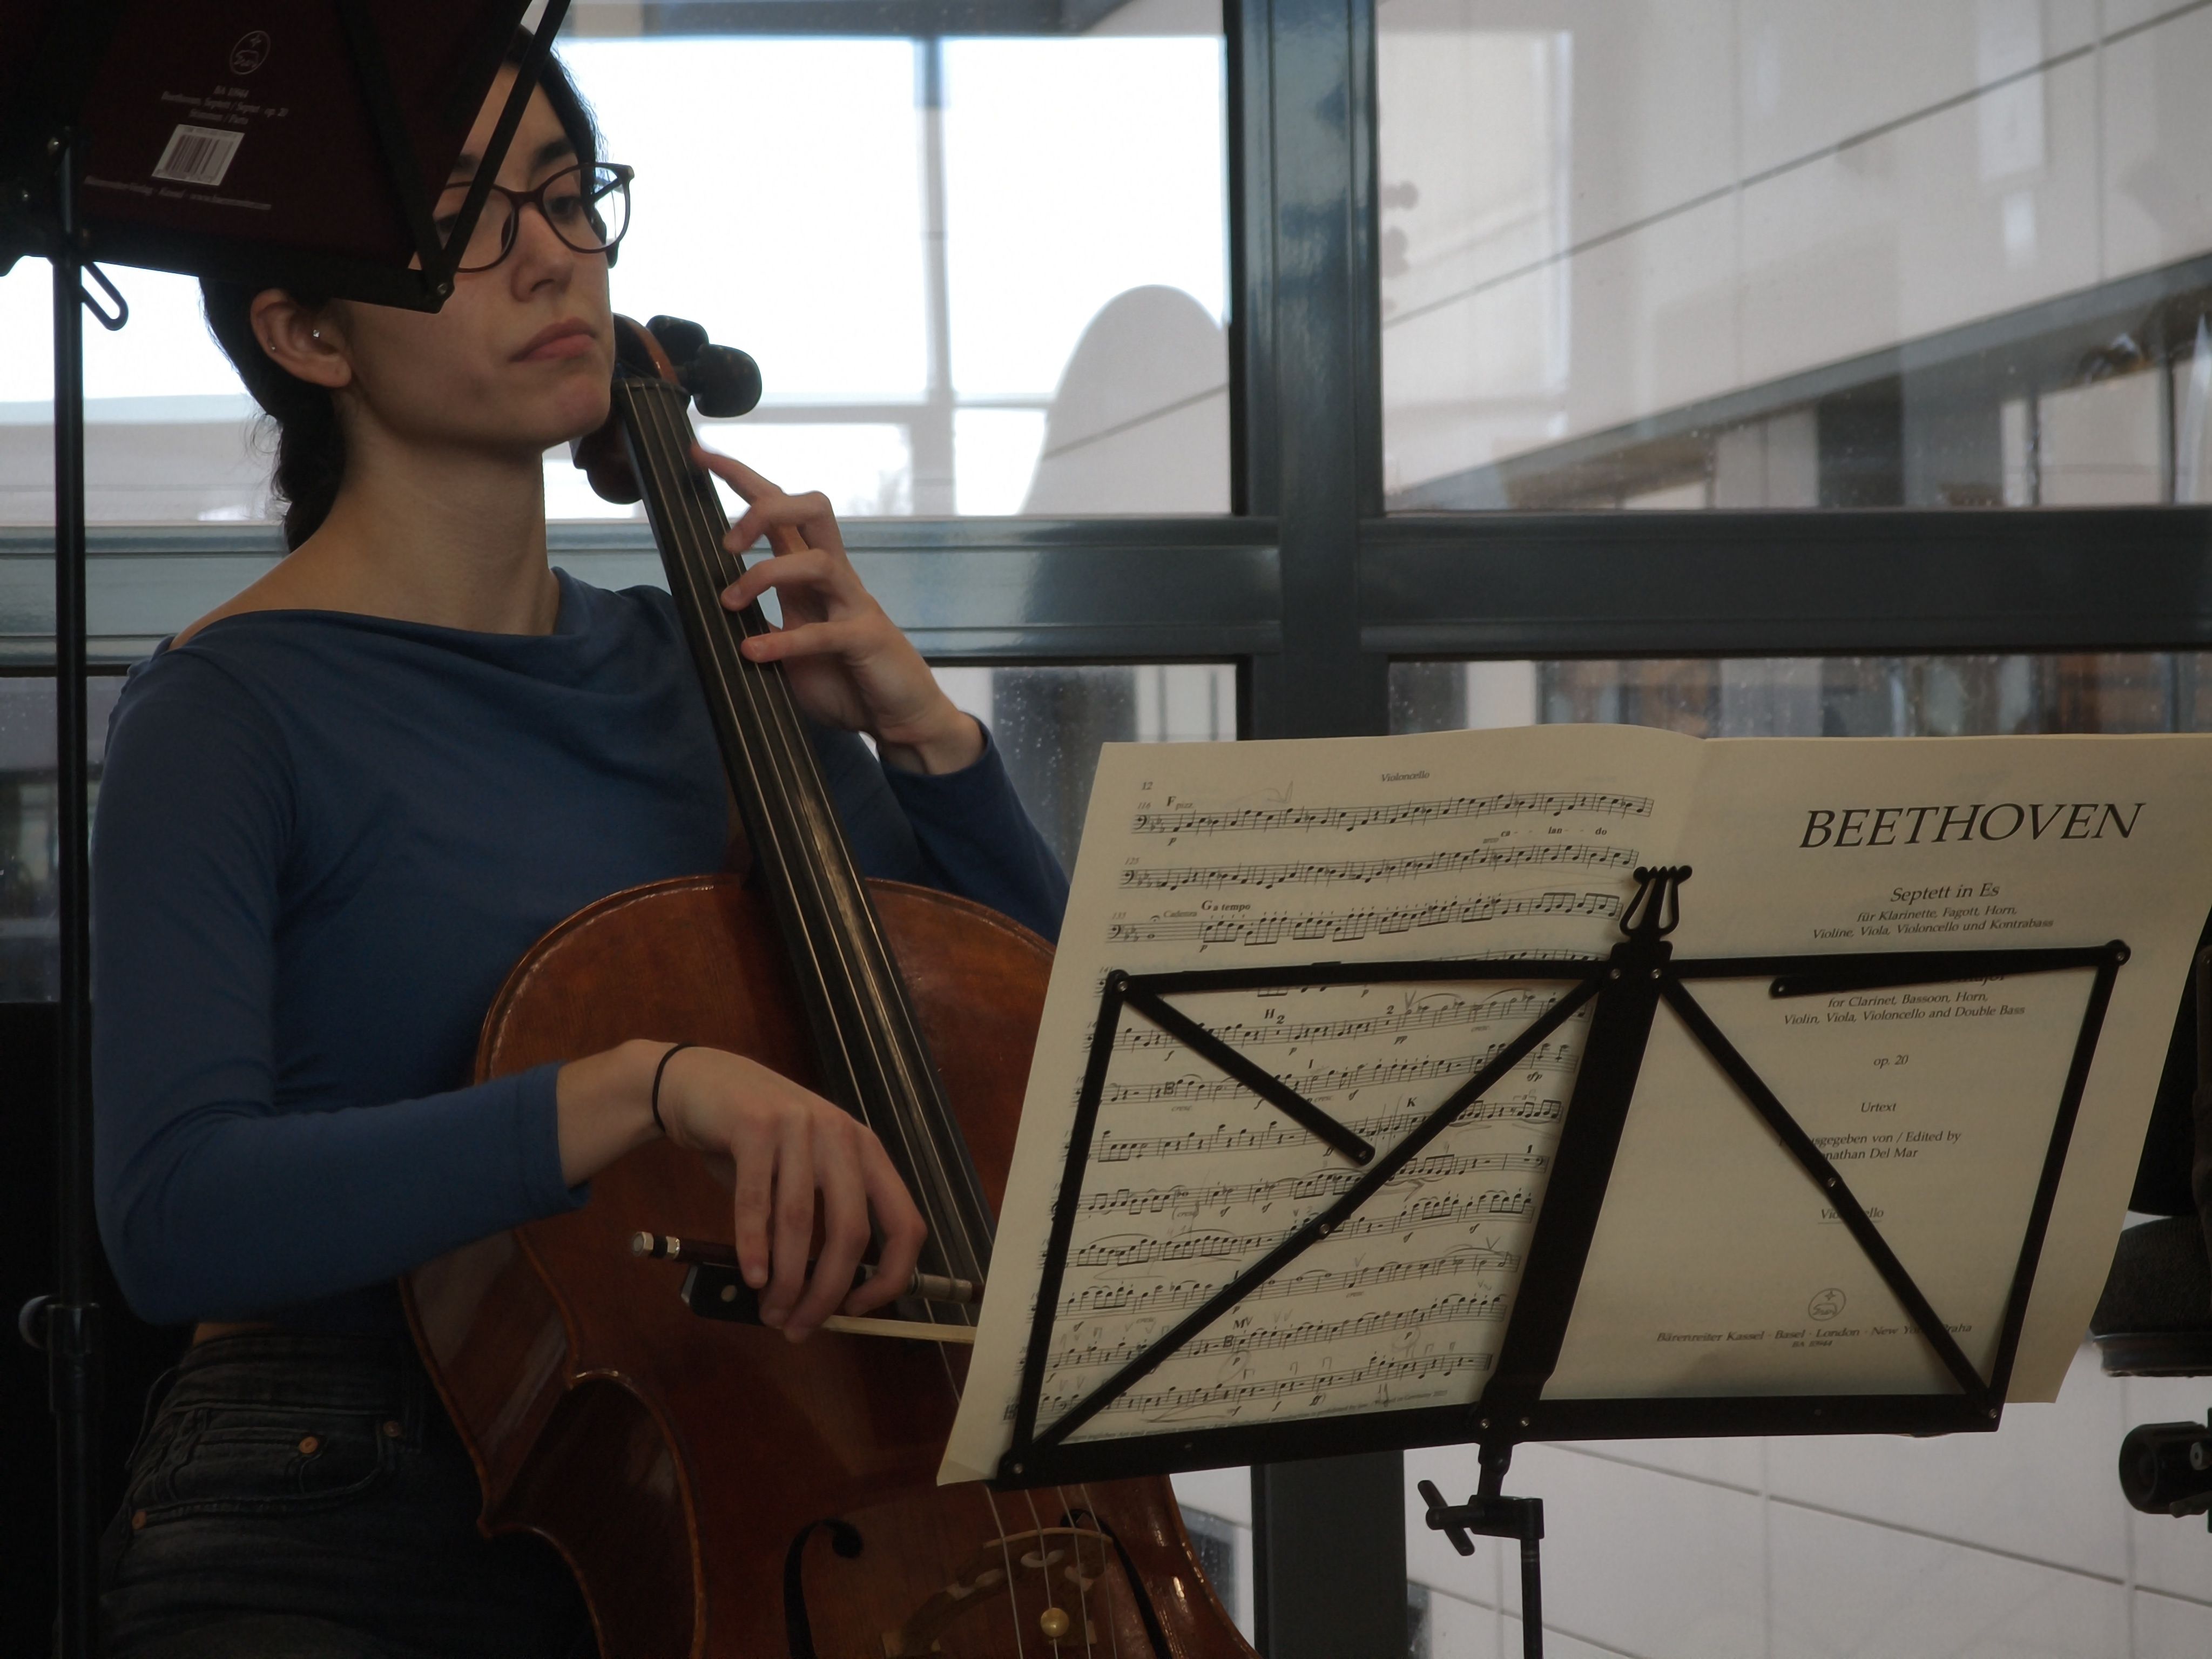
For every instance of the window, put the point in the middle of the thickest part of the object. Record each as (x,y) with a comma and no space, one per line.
(1217,1512)
(1642,253)
(29,934)
(981,276)
(1946,696)
(1050,721)
(1668,255)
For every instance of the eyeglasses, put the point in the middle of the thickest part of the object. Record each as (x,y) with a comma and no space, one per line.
(586,207)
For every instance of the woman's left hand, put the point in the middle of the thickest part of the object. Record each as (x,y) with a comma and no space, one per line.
(848,665)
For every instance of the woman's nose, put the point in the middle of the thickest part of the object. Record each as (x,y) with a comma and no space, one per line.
(534,240)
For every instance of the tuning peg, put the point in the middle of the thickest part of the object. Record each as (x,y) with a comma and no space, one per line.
(681,338)
(722,380)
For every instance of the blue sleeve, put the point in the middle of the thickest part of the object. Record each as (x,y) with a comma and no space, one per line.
(962,832)
(214,1201)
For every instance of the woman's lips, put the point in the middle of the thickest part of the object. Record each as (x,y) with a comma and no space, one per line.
(561,340)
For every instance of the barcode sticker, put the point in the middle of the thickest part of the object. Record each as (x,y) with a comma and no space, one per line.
(198,155)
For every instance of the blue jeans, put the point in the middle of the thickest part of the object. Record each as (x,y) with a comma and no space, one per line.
(306,1497)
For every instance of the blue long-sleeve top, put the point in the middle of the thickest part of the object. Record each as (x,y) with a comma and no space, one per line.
(322,841)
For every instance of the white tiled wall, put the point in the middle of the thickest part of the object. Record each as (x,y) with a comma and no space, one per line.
(2010,1545)
(1751,188)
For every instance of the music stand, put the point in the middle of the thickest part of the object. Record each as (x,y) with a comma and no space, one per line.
(191,139)
(1623,992)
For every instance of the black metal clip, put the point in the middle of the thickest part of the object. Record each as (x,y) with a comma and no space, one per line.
(1656,909)
(109,320)
(1496,1516)
(1492,1517)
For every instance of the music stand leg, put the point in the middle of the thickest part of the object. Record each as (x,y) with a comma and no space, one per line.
(1531,1587)
(1497,1516)
(67,1326)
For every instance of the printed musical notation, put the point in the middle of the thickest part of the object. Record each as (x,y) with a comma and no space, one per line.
(1380,1073)
(1489,856)
(1430,1014)
(1158,1300)
(1276,929)
(1168,1404)
(1190,1177)
(1112,1148)
(1216,877)
(1326,1184)
(1446,1210)
(1188,821)
(1444,1310)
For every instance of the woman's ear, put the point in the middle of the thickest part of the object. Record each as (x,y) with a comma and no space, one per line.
(303,341)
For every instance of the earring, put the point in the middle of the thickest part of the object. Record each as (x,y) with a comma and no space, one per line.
(314,334)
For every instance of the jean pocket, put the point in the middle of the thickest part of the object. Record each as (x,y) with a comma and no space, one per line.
(260,1460)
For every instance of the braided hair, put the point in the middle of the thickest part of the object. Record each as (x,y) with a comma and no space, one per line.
(310,445)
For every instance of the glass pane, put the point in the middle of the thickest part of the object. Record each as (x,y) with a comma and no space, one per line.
(990,278)
(1681,254)
(1801,1536)
(1817,697)
(168,431)
(1217,1512)
(29,844)
(1087,267)
(1049,723)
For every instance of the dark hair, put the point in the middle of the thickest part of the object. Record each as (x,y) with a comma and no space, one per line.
(309,444)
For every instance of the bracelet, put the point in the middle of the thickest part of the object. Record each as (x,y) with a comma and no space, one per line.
(658,1072)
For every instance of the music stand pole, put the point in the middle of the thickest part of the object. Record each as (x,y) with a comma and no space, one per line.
(72,1319)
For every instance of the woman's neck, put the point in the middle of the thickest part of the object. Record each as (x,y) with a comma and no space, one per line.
(441,535)
(455,539)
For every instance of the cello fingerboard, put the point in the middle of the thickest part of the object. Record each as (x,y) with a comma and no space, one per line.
(867,1041)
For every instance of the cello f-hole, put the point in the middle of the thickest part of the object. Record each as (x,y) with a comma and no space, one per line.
(845,1540)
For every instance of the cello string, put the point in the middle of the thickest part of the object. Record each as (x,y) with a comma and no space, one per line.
(1090,1509)
(1082,1597)
(713,553)
(1044,1552)
(879,993)
(1082,1589)
(775,721)
(1007,1553)
(767,693)
(788,761)
(777,852)
(952,1385)
(901,1068)
(757,687)
(772,794)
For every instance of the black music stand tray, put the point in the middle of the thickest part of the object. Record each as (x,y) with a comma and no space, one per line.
(199,138)
(1623,992)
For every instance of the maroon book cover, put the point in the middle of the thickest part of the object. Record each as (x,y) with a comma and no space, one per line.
(238,137)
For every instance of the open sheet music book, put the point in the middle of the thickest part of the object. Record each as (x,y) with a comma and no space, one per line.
(303,145)
(1715,1270)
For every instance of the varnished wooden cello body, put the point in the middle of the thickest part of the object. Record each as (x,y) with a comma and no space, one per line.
(719,1492)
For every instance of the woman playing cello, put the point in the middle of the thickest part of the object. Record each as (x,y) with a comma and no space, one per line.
(335,811)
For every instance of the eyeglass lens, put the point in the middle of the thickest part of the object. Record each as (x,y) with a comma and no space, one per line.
(589,209)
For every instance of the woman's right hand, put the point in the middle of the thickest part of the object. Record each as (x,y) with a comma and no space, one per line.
(787,1149)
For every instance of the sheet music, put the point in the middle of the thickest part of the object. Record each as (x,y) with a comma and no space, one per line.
(1242,854)
(1522,843)
(1935,1102)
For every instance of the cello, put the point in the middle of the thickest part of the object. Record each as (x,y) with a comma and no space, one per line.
(719,1492)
